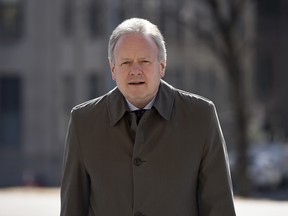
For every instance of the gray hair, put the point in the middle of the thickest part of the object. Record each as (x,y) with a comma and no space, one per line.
(137,25)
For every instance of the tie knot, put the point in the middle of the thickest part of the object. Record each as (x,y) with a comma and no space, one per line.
(139,113)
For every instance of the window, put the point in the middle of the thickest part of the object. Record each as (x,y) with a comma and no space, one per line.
(68,21)
(96,18)
(169,23)
(11,20)
(93,86)
(175,77)
(10,111)
(121,11)
(67,98)
(68,93)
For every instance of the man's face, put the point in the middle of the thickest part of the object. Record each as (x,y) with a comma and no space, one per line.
(136,69)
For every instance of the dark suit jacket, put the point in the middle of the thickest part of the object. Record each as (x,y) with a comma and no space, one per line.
(175,166)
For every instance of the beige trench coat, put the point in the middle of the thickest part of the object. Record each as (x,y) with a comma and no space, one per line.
(175,166)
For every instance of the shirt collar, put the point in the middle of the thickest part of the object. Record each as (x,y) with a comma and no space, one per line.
(163,103)
(147,107)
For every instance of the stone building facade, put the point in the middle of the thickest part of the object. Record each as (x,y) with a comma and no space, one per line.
(53,55)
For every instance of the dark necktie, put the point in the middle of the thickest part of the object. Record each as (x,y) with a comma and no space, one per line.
(139,113)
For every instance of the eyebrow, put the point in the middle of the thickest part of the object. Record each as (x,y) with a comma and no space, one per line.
(147,57)
(124,59)
(129,59)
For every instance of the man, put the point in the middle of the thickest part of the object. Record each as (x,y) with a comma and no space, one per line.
(170,162)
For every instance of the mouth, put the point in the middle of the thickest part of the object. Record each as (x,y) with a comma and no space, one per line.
(136,83)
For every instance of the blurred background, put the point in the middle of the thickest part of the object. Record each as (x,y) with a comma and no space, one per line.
(53,55)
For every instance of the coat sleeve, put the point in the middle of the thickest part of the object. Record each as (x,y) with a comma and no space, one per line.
(75,182)
(215,196)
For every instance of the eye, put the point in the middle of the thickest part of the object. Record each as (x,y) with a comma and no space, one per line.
(125,63)
(145,61)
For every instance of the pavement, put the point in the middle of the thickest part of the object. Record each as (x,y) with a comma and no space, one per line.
(46,202)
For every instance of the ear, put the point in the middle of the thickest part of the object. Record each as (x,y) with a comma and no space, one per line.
(162,68)
(112,68)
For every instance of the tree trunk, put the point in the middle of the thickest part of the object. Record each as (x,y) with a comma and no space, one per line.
(242,145)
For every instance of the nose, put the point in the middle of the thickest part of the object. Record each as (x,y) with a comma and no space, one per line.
(135,69)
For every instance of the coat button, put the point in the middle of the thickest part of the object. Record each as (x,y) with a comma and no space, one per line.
(138,162)
(138,214)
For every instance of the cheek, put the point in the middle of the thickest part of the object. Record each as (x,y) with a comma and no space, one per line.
(119,78)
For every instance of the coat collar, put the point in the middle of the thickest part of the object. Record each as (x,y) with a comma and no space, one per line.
(164,100)
(117,105)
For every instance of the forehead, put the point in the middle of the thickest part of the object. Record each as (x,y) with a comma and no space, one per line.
(135,44)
